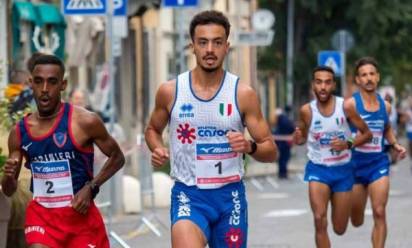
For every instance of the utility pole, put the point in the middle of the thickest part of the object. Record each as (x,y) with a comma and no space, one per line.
(3,45)
(289,52)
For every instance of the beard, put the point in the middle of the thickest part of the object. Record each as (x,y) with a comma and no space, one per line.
(209,70)
(323,100)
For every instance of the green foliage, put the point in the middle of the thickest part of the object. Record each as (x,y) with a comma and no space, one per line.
(382,29)
(8,120)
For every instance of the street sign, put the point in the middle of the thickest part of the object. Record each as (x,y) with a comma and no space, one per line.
(179,3)
(333,59)
(255,38)
(120,7)
(84,7)
(263,19)
(342,40)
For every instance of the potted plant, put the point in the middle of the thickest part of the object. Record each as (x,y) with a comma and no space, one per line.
(13,208)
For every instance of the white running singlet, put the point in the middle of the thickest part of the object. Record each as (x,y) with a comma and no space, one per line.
(322,130)
(199,150)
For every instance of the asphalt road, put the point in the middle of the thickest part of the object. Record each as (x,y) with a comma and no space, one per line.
(280,216)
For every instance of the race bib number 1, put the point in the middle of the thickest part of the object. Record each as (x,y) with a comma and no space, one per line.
(52,183)
(216,165)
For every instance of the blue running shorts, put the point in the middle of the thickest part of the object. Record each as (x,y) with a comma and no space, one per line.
(368,173)
(339,178)
(220,213)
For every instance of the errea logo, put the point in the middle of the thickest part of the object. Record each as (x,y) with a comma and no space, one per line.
(186,111)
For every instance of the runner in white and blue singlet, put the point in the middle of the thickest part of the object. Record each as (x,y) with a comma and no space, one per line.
(206,109)
(371,163)
(324,125)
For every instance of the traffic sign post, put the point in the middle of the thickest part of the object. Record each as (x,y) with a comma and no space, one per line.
(180,5)
(336,61)
(84,7)
(255,38)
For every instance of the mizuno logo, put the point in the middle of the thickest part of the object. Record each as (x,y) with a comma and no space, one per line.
(207,149)
(383,171)
(26,147)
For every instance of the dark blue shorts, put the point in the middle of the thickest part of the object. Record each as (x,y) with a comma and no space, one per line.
(409,135)
(220,213)
(338,178)
(368,173)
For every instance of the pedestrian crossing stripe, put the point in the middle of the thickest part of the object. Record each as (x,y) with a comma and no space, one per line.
(85,5)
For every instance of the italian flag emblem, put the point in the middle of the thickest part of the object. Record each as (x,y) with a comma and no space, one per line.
(340,121)
(225,109)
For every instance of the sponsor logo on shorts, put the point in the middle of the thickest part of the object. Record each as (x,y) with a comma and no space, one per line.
(313,178)
(184,206)
(234,238)
(91,246)
(30,229)
(383,171)
(234,219)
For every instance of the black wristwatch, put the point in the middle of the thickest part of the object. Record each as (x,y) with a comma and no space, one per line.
(349,143)
(93,187)
(253,146)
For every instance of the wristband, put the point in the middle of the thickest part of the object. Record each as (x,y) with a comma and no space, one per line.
(253,146)
(349,143)
(93,187)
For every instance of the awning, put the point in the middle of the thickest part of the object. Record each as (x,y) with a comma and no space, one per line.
(25,11)
(49,14)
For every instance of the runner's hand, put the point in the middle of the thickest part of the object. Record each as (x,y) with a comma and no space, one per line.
(160,156)
(82,199)
(297,136)
(10,167)
(400,150)
(338,144)
(238,142)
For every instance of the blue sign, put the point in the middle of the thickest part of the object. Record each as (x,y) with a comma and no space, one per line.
(120,7)
(333,59)
(84,7)
(179,3)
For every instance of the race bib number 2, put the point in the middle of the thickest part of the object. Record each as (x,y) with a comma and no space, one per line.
(52,183)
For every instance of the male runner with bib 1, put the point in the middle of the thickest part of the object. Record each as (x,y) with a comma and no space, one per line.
(56,143)
(206,110)
(324,125)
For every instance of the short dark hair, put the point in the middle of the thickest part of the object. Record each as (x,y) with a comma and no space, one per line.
(46,59)
(209,17)
(365,61)
(322,68)
(30,61)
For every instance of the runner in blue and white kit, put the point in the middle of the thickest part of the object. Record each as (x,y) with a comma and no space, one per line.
(371,163)
(324,125)
(206,110)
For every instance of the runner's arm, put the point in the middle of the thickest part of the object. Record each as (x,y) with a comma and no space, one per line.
(158,121)
(390,136)
(364,134)
(266,150)
(106,143)
(300,135)
(13,164)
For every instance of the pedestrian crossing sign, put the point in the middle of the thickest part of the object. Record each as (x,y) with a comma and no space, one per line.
(84,7)
(332,59)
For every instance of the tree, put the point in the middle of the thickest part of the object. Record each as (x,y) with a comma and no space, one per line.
(382,29)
